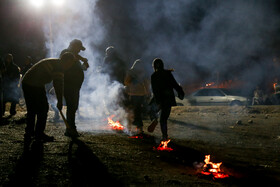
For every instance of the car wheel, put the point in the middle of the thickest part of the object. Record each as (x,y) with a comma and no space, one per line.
(235,103)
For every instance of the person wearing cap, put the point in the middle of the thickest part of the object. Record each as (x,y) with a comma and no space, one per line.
(73,80)
(33,86)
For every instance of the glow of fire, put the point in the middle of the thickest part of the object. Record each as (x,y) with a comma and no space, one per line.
(209,84)
(213,168)
(164,147)
(114,125)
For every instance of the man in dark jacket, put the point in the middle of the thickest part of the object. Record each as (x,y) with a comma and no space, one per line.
(114,65)
(33,85)
(73,80)
(163,84)
(11,78)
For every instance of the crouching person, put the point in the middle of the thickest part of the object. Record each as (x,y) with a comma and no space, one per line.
(33,85)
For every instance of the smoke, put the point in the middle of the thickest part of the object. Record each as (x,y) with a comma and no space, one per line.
(99,96)
(199,38)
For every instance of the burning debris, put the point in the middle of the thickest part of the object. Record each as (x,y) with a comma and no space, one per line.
(210,168)
(115,125)
(163,146)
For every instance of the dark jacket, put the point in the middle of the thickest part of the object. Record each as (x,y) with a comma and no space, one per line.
(11,73)
(74,77)
(115,67)
(163,84)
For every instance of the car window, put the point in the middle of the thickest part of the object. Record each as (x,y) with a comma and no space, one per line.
(201,93)
(209,92)
(213,92)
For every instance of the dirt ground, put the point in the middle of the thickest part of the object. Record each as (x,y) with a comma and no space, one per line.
(245,139)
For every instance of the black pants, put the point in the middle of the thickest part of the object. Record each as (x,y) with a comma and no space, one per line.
(10,94)
(37,106)
(165,113)
(136,103)
(71,96)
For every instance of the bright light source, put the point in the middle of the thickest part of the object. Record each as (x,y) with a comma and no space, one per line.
(37,3)
(58,2)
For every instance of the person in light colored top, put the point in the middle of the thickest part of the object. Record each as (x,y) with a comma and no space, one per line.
(33,85)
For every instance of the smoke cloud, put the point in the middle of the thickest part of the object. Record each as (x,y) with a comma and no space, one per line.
(200,39)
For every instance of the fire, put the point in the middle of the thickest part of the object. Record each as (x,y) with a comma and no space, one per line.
(163,146)
(211,168)
(115,125)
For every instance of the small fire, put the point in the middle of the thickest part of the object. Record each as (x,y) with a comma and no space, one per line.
(163,146)
(115,125)
(211,168)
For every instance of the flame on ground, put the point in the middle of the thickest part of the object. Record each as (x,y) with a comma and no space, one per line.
(211,168)
(114,125)
(163,146)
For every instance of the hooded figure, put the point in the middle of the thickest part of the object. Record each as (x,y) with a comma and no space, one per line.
(163,84)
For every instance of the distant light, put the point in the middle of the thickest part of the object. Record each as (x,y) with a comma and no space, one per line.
(58,2)
(37,3)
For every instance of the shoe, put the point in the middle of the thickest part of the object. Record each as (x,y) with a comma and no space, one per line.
(44,138)
(73,133)
(164,139)
(153,125)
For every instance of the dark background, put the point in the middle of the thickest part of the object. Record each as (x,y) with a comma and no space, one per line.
(22,34)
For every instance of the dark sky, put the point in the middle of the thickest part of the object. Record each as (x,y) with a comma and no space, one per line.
(21,32)
(21,27)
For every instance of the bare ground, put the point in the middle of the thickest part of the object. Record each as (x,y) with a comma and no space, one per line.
(249,150)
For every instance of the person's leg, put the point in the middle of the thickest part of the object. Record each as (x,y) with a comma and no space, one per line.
(42,108)
(72,103)
(137,105)
(165,112)
(13,108)
(30,100)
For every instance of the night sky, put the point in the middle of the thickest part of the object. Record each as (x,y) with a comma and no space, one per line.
(22,31)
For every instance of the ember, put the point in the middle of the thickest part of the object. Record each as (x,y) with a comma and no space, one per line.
(137,137)
(114,125)
(163,146)
(211,168)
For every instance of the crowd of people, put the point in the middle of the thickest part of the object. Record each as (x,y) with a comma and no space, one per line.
(66,75)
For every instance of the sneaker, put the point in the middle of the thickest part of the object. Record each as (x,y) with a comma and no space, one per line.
(153,125)
(44,138)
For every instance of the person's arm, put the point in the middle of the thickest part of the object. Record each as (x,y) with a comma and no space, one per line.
(58,79)
(85,64)
(177,87)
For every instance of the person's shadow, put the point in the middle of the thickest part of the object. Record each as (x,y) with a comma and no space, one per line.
(86,168)
(27,166)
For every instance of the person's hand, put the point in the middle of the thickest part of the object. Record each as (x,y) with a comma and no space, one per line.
(59,105)
(86,64)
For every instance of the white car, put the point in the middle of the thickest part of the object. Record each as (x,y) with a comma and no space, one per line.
(217,96)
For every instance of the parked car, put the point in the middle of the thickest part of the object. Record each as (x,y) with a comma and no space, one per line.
(217,96)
